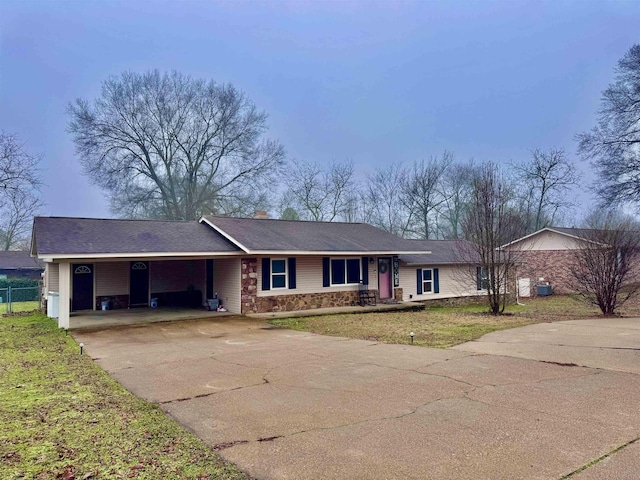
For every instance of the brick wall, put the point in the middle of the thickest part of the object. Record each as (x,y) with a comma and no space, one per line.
(553,265)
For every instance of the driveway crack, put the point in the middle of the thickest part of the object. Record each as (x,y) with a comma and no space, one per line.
(209,394)
(599,459)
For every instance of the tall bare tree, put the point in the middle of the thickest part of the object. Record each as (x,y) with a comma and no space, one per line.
(490,222)
(456,191)
(544,185)
(321,194)
(604,267)
(170,146)
(613,145)
(385,199)
(423,194)
(19,191)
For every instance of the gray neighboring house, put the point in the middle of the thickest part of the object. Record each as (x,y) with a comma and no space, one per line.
(254,265)
(18,264)
(444,273)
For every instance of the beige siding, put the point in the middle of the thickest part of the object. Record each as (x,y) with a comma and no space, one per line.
(177,275)
(227,282)
(112,278)
(546,241)
(52,277)
(309,278)
(454,281)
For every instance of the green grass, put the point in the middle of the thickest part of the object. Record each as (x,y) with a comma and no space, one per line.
(61,416)
(439,326)
(20,307)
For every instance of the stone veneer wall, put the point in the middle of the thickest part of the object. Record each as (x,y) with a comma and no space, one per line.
(553,265)
(306,301)
(248,285)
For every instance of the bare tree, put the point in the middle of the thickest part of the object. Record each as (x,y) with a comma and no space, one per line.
(456,191)
(385,199)
(604,267)
(423,194)
(613,145)
(321,194)
(544,186)
(488,223)
(19,192)
(169,146)
(17,219)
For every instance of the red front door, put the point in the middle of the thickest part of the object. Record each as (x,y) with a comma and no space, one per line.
(384,277)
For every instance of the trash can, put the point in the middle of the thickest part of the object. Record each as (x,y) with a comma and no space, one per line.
(213,303)
(105,305)
(154,303)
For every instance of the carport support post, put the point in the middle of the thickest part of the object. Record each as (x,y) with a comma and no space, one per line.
(65,295)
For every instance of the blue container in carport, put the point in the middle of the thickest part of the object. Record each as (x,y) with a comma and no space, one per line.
(105,304)
(154,303)
(544,290)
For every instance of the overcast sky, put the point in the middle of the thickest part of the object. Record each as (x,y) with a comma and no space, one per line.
(375,82)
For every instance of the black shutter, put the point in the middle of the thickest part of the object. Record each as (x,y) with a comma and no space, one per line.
(419,286)
(436,281)
(365,270)
(266,274)
(325,272)
(292,273)
(478,278)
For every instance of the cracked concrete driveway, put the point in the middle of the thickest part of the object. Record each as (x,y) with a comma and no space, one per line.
(291,405)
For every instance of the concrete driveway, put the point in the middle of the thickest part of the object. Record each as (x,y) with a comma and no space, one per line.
(290,405)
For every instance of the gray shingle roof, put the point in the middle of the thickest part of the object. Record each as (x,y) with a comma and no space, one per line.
(443,252)
(575,232)
(71,236)
(260,235)
(12,260)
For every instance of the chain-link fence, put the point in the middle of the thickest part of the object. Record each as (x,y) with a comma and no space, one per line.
(19,299)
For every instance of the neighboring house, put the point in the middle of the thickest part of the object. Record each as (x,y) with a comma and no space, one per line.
(546,256)
(14,264)
(254,265)
(445,273)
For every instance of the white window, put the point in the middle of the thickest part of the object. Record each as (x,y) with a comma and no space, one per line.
(278,273)
(427,280)
(345,271)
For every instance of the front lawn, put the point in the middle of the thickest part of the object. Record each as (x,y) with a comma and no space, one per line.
(439,327)
(62,416)
(20,306)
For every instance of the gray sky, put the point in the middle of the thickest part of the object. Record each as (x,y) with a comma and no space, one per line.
(375,82)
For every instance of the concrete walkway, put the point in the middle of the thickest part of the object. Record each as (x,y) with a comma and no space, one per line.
(292,405)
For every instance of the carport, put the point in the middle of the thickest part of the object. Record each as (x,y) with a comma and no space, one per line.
(135,289)
(121,266)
